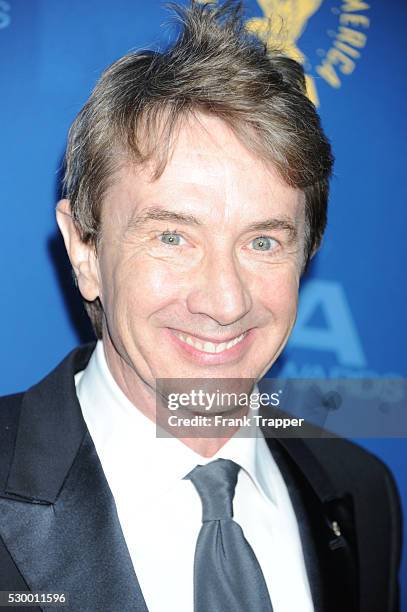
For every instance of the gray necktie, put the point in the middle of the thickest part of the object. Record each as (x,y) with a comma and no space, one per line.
(227,575)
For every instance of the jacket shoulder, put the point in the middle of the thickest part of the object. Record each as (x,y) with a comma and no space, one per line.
(377,506)
(355,470)
(9,413)
(10,406)
(10,401)
(352,467)
(377,515)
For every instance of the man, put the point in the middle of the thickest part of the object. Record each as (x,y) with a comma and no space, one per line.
(196,191)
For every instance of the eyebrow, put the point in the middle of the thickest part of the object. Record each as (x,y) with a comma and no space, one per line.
(277,223)
(155,213)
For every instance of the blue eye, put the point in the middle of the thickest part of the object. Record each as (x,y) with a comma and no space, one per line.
(262,243)
(171,238)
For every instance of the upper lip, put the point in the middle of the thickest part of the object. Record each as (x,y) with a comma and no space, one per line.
(206,339)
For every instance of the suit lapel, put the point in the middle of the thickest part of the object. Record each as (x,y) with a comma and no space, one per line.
(58,518)
(328,514)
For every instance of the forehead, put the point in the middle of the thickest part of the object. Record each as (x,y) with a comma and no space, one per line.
(209,171)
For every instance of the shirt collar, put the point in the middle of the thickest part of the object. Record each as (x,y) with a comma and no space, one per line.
(124,436)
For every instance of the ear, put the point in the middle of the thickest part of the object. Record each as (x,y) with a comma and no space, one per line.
(82,255)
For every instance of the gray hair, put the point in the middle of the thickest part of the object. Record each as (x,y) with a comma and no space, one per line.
(214,66)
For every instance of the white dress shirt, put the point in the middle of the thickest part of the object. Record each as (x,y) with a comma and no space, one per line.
(160,513)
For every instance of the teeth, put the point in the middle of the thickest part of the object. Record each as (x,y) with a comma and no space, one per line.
(210,347)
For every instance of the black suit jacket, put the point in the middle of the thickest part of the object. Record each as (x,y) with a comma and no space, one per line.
(59,529)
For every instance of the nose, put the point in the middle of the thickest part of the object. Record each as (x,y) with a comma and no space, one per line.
(219,291)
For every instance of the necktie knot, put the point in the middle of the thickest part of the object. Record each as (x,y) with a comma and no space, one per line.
(215,483)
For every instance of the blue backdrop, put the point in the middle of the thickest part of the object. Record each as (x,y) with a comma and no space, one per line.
(352,317)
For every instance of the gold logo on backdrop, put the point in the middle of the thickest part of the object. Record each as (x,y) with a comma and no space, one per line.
(285,21)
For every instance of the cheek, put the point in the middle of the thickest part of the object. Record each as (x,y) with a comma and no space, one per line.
(137,288)
(280,293)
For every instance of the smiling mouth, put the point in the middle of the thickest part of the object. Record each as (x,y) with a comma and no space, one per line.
(209,347)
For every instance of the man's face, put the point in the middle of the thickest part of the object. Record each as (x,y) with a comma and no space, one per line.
(198,271)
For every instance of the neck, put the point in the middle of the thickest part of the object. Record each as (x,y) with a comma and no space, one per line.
(206,447)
